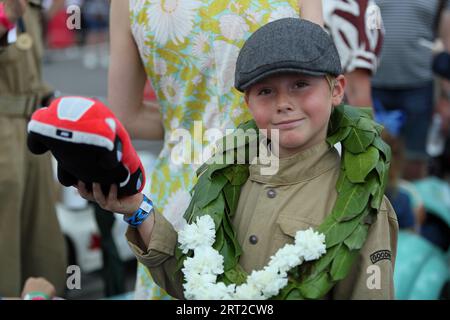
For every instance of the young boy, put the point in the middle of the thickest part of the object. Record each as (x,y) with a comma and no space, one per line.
(290,73)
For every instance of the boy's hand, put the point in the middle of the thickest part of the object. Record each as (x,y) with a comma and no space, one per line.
(127,205)
(38,285)
(14,9)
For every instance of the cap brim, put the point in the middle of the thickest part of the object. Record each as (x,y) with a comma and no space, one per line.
(263,75)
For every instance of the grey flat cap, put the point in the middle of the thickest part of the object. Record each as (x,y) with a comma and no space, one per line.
(286,45)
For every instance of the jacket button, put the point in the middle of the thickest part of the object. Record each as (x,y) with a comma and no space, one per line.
(253,239)
(271,193)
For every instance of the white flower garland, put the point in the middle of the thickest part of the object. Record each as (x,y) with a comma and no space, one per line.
(201,271)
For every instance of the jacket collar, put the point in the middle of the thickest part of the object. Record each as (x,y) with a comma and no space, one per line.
(299,167)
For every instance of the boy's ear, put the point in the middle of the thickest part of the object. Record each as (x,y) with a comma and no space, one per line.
(338,90)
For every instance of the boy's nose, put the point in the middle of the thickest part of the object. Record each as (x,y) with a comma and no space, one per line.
(284,106)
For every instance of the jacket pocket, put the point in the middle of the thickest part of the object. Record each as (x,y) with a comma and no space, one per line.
(288,227)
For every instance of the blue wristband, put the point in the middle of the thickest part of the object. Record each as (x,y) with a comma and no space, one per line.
(140,214)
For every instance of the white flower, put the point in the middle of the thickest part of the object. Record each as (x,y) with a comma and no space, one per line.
(188,238)
(225,66)
(177,204)
(171,88)
(207,229)
(206,260)
(198,286)
(248,292)
(172,20)
(212,115)
(206,61)
(286,258)
(311,243)
(136,6)
(254,16)
(160,66)
(201,233)
(221,292)
(268,281)
(283,12)
(200,45)
(233,27)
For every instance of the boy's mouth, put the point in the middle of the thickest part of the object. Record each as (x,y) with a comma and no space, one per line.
(288,124)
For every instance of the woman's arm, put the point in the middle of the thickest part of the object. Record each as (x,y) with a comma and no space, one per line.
(126,79)
(311,10)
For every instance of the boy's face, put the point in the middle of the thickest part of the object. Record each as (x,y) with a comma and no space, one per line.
(298,105)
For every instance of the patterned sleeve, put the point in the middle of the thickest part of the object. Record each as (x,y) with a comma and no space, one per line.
(357,30)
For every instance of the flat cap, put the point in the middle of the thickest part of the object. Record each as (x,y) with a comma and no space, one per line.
(286,45)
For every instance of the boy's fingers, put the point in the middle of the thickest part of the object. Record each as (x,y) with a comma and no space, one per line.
(98,195)
(112,196)
(83,191)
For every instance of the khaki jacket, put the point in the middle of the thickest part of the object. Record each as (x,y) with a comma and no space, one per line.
(21,71)
(271,210)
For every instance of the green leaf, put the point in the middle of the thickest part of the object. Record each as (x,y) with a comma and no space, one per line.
(379,128)
(342,263)
(335,119)
(366,124)
(213,168)
(383,171)
(358,140)
(251,124)
(232,194)
(208,190)
(357,167)
(343,183)
(228,254)
(237,174)
(350,203)
(324,262)
(192,212)
(339,136)
(220,239)
(236,275)
(383,147)
(317,287)
(243,135)
(180,259)
(366,112)
(357,238)
(294,294)
(351,115)
(372,183)
(337,232)
(229,232)
(215,209)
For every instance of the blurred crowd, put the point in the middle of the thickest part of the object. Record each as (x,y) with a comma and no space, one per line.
(92,36)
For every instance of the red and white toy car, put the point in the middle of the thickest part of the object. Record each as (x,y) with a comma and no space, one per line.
(89,144)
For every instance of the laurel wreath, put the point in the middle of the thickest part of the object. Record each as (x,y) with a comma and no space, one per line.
(360,187)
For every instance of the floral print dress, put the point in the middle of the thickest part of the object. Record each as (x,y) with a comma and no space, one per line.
(189,50)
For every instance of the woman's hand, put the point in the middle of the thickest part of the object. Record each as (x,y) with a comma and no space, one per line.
(127,205)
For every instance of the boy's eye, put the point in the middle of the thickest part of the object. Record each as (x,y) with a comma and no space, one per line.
(265,91)
(300,84)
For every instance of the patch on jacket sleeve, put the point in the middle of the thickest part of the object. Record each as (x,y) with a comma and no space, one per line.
(380,255)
